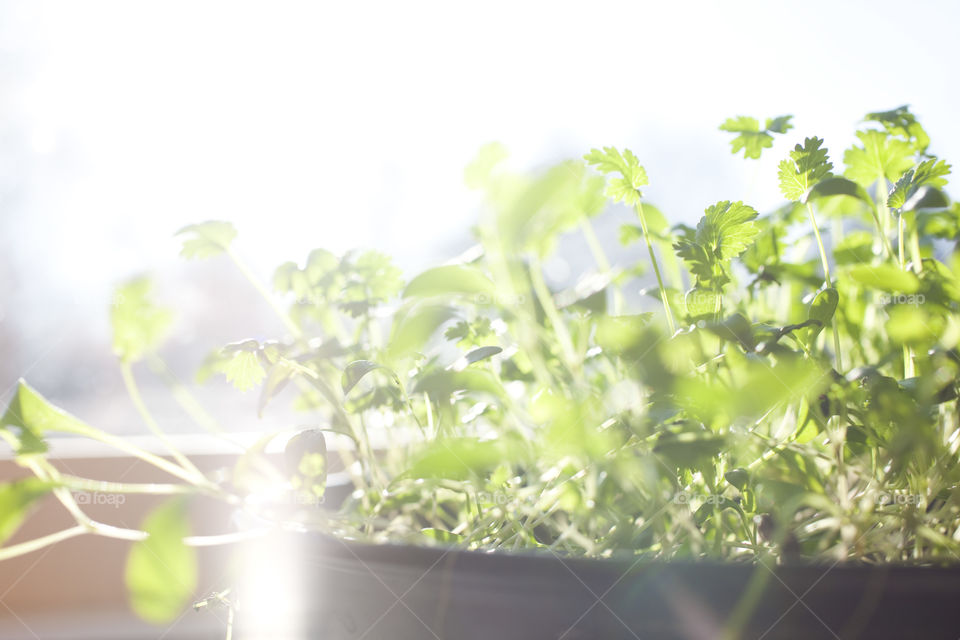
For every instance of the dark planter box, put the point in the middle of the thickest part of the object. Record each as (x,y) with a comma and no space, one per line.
(392,592)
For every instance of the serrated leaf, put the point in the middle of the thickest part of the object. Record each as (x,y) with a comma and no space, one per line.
(244,370)
(626,188)
(728,228)
(206,239)
(780,124)
(928,173)
(900,122)
(450,279)
(161,571)
(16,499)
(879,156)
(807,165)
(724,232)
(138,325)
(751,138)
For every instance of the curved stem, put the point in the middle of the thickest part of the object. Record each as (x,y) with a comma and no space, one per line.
(131,384)
(543,294)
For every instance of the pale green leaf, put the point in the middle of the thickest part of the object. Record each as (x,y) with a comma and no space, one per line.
(16,499)
(750,137)
(450,279)
(206,239)
(138,325)
(879,156)
(632,176)
(807,165)
(244,370)
(161,571)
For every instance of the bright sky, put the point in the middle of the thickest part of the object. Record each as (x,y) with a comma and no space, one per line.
(348,124)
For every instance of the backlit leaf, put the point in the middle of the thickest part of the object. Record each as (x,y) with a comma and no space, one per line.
(161,571)
(206,239)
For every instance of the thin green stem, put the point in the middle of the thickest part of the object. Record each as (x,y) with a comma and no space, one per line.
(543,294)
(39,543)
(828,281)
(131,384)
(656,269)
(600,257)
(183,396)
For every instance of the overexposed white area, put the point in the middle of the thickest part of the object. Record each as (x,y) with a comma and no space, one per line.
(348,124)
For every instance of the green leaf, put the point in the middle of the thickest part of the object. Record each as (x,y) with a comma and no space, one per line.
(738,477)
(359,368)
(305,456)
(206,239)
(161,571)
(750,137)
(900,122)
(837,186)
(885,277)
(822,308)
(16,498)
(756,387)
(928,173)
(440,385)
(458,458)
(477,173)
(724,232)
(450,279)
(780,124)
(34,416)
(701,302)
(910,324)
(412,329)
(244,370)
(138,325)
(278,376)
(480,353)
(855,248)
(880,156)
(807,165)
(626,188)
(689,449)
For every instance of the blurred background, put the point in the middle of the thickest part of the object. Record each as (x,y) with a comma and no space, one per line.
(342,125)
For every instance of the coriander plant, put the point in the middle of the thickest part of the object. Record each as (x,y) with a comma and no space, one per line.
(789,390)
